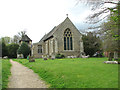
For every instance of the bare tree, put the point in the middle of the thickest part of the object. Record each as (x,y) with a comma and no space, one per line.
(99,9)
(22,33)
(17,37)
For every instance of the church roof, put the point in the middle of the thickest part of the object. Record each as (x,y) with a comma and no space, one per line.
(50,34)
(25,38)
(43,38)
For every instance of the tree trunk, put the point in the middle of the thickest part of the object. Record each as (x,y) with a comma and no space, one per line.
(110,56)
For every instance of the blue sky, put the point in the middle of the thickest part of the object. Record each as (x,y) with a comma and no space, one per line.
(38,17)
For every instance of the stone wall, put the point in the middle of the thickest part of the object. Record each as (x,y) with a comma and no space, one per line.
(35,51)
(49,47)
(76,36)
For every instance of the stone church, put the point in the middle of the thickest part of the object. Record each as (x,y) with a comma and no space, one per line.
(64,39)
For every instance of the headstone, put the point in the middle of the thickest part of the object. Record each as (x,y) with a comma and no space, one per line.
(53,57)
(85,56)
(45,58)
(5,57)
(20,56)
(31,60)
(68,57)
(111,62)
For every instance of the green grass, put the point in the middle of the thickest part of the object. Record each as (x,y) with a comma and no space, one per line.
(75,73)
(0,74)
(5,72)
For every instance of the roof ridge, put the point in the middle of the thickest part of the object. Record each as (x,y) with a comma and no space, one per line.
(49,34)
(25,38)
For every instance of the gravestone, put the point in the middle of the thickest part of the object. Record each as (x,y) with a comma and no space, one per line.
(20,56)
(31,59)
(45,57)
(111,62)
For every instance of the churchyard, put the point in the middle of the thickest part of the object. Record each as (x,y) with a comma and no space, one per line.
(80,51)
(75,73)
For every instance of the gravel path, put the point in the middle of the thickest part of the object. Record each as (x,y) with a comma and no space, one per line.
(22,77)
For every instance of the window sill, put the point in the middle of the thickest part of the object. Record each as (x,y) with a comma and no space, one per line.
(40,53)
(68,50)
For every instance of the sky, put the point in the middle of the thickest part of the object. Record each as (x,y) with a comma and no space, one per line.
(38,17)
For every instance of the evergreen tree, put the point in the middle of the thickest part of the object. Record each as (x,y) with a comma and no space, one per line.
(4,49)
(91,43)
(12,50)
(24,49)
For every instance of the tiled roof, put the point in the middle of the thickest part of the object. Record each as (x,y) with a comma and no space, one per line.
(25,38)
(50,34)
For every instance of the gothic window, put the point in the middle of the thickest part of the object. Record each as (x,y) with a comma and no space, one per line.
(39,48)
(68,40)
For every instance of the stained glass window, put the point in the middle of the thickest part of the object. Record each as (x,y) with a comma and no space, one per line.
(71,43)
(68,40)
(64,43)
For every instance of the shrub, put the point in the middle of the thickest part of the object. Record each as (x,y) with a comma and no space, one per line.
(12,50)
(59,56)
(4,49)
(62,56)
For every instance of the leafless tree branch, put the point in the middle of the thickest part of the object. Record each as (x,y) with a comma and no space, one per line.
(111,2)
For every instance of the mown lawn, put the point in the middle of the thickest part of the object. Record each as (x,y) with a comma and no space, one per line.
(5,72)
(75,73)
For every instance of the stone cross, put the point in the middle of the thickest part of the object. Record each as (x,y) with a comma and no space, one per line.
(67,15)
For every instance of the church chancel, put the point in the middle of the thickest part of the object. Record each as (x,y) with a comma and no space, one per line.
(64,39)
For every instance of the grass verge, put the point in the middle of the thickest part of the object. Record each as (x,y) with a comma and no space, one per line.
(5,72)
(75,73)
(0,74)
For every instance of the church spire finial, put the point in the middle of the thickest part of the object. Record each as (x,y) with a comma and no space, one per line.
(67,15)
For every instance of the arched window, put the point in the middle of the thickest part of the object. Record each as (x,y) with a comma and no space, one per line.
(39,48)
(68,40)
